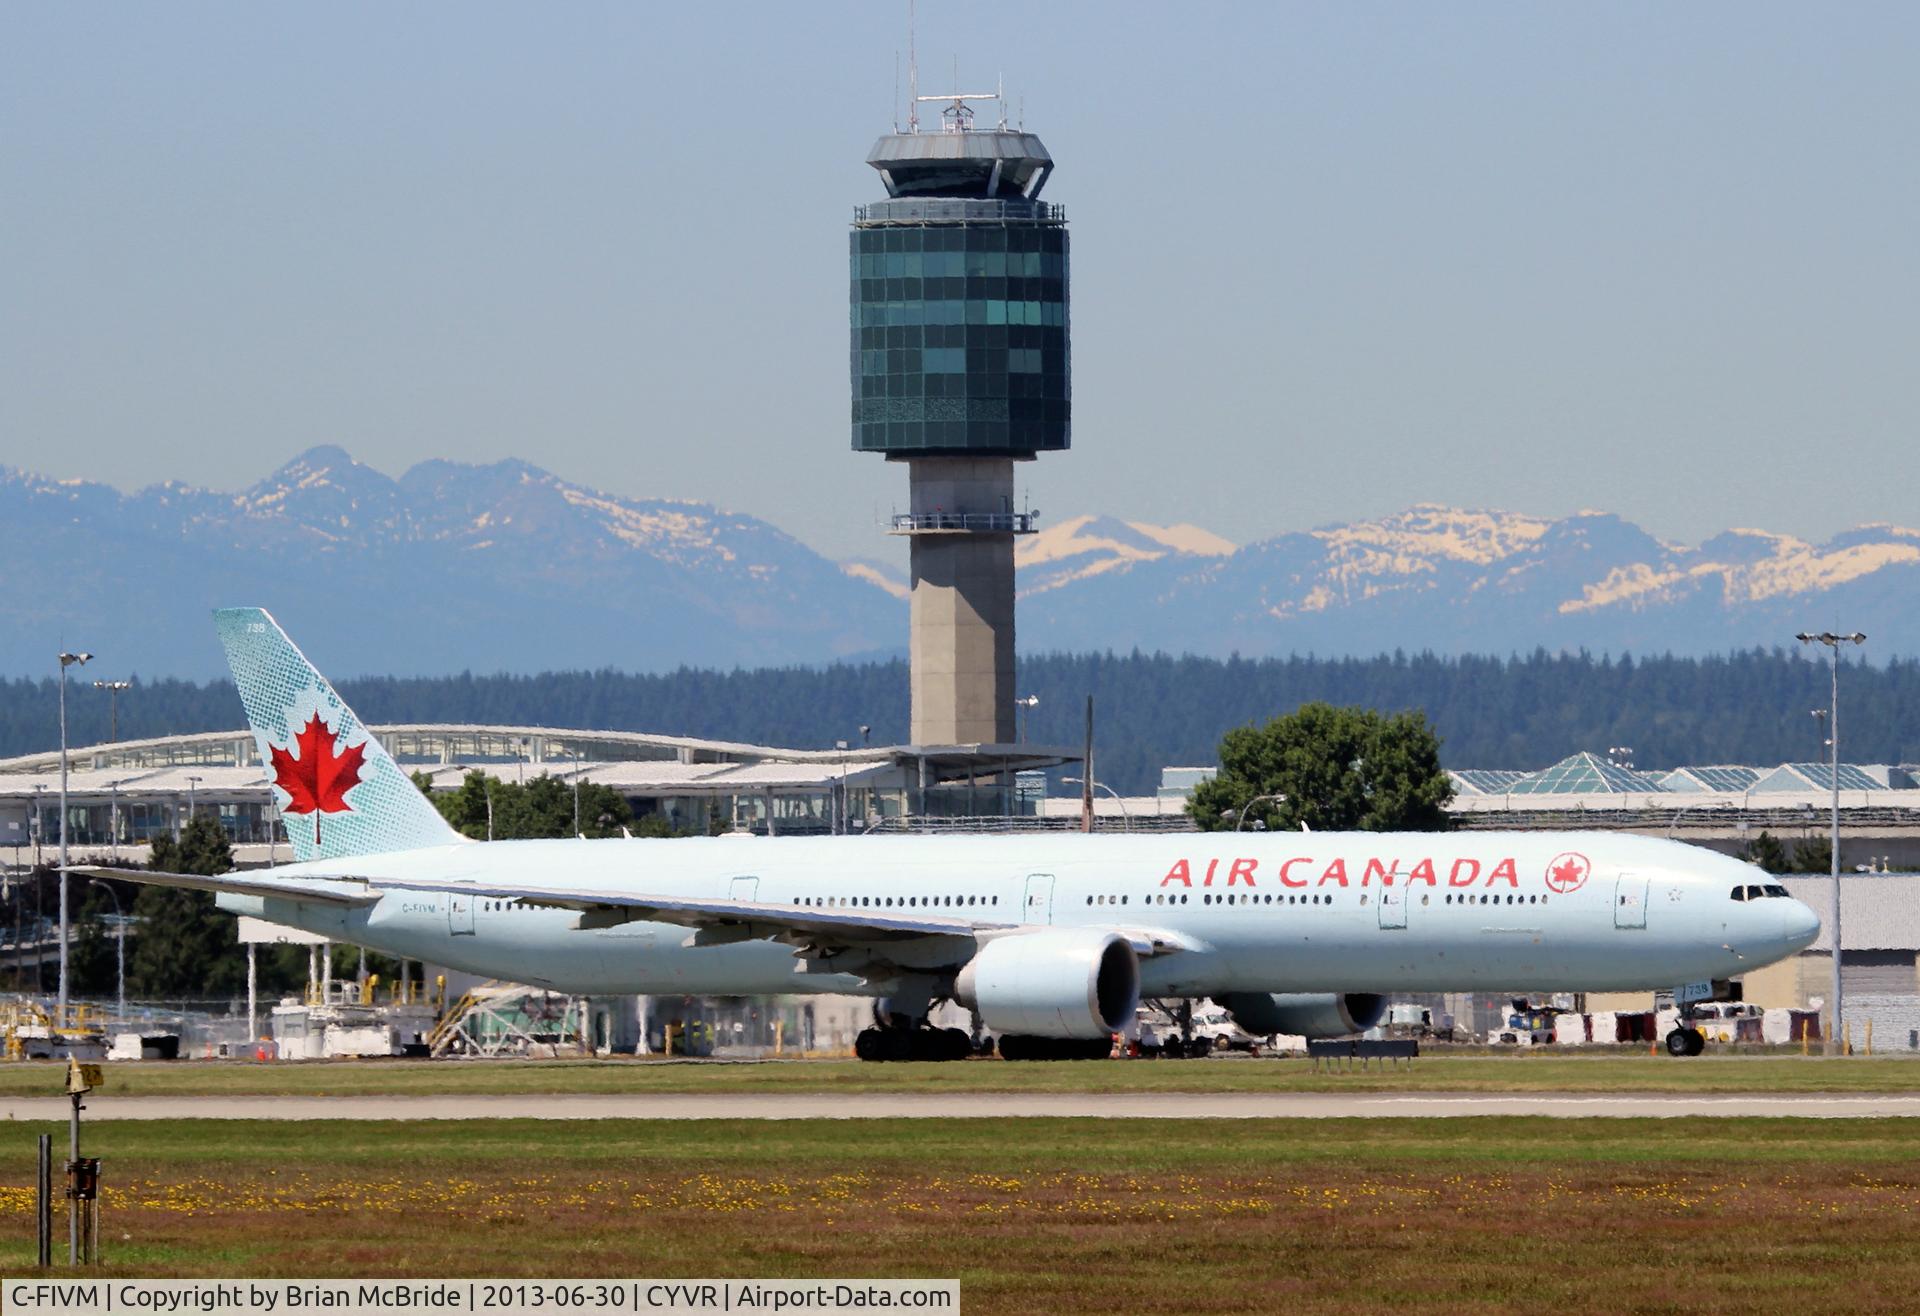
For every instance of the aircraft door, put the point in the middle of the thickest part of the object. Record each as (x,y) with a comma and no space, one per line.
(460,914)
(1039,903)
(1393,907)
(1630,901)
(745,888)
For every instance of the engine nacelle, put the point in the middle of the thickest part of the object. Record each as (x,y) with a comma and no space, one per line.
(1069,982)
(1304,1014)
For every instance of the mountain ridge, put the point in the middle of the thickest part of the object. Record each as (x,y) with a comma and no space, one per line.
(504,566)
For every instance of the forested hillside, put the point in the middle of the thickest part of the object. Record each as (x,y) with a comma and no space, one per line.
(1153,709)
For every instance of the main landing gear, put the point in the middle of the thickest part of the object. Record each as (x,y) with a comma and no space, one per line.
(1013,1046)
(912,1044)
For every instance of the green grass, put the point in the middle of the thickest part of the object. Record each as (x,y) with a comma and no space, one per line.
(1485,1073)
(1080,1215)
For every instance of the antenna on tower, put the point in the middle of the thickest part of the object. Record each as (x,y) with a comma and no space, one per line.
(1000,94)
(913,76)
(896,91)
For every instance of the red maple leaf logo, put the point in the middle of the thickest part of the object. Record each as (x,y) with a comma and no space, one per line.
(1568,872)
(318,781)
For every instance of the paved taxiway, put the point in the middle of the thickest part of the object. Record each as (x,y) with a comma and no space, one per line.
(982,1105)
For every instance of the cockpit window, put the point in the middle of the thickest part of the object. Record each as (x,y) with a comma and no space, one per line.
(1740,892)
(1779,892)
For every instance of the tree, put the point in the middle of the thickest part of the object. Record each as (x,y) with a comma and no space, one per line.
(542,807)
(186,947)
(1766,851)
(1339,769)
(1813,855)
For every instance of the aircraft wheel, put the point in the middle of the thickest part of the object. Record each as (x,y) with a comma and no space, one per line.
(958,1046)
(1686,1042)
(866,1044)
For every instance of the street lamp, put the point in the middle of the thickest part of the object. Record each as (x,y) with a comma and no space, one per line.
(1833,643)
(113,689)
(119,947)
(1030,701)
(1247,809)
(193,787)
(66,660)
(1126,819)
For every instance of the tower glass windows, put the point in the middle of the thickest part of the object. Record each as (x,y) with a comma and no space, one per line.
(960,338)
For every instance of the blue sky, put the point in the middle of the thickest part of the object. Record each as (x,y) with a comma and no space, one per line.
(1328,260)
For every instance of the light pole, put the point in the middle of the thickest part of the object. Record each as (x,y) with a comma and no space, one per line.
(119,947)
(1835,1042)
(113,689)
(193,788)
(66,660)
(1126,819)
(1248,808)
(1023,704)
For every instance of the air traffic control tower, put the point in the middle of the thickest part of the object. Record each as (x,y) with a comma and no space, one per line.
(959,314)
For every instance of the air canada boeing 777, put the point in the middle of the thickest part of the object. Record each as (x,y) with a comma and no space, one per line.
(1052,941)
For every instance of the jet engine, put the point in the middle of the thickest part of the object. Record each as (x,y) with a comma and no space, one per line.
(1069,982)
(1304,1014)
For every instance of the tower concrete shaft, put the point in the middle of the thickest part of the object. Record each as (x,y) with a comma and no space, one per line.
(962,525)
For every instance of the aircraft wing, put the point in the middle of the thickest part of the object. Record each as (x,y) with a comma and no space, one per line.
(761,919)
(323,891)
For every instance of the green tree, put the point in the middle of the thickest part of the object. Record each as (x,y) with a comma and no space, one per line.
(543,807)
(1339,769)
(1813,855)
(1767,851)
(91,961)
(186,947)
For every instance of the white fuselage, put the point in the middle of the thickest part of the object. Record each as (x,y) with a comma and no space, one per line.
(1321,912)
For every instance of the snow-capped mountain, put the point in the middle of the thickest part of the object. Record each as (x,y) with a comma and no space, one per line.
(505,567)
(1465,581)
(1086,546)
(450,567)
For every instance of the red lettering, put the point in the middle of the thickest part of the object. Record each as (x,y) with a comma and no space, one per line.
(1211,865)
(1504,870)
(1454,877)
(1422,872)
(1336,872)
(1180,873)
(1377,869)
(1242,871)
(1286,878)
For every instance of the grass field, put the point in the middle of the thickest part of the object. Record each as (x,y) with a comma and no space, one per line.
(1501,1215)
(1498,1073)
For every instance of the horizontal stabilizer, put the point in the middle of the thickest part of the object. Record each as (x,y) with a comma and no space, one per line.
(322,891)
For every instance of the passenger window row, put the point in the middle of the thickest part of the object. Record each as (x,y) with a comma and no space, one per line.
(890,902)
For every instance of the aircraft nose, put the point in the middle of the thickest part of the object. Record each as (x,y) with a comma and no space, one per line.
(1802,925)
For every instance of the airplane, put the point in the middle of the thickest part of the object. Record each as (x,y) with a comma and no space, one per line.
(1052,941)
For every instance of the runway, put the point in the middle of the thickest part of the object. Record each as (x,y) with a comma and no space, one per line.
(983,1105)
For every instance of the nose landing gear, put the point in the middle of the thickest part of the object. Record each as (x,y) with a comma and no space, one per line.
(1688,1041)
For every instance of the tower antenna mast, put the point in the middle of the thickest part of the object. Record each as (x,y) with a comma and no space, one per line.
(913,76)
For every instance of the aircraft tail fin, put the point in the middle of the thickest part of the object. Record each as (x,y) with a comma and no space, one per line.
(339,790)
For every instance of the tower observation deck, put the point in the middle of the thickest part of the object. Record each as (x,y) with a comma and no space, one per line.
(960,368)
